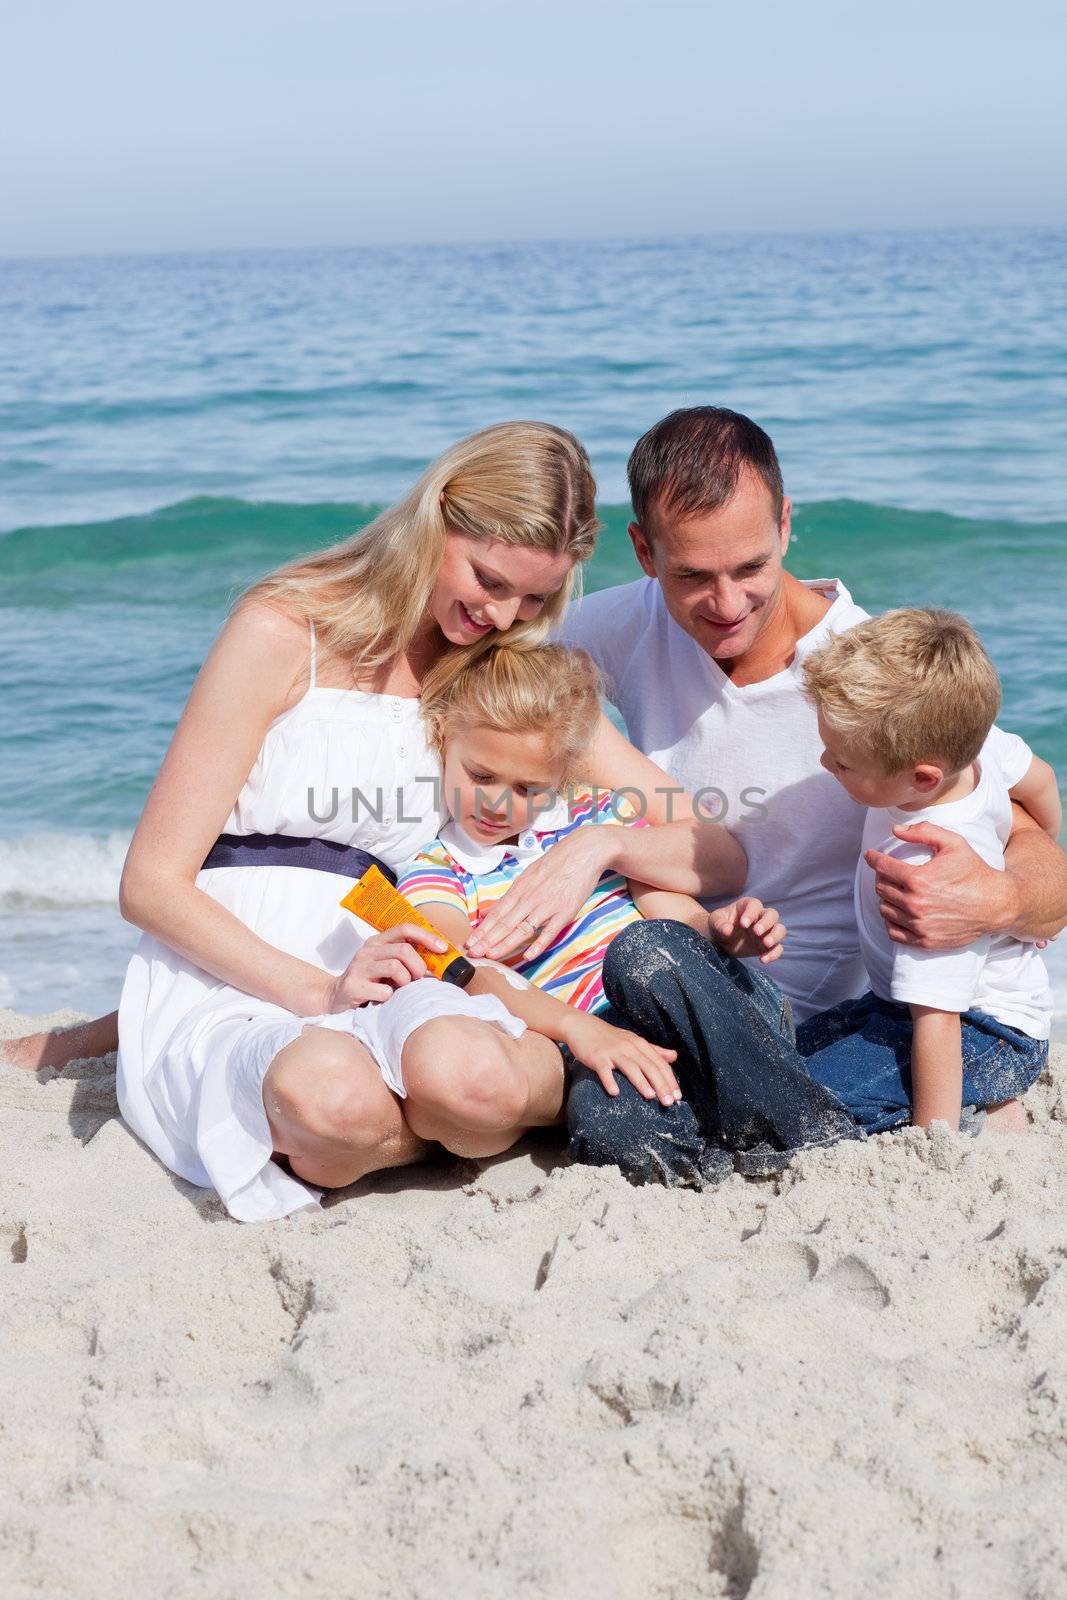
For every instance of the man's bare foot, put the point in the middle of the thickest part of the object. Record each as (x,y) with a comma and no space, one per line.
(59,1047)
(1008,1117)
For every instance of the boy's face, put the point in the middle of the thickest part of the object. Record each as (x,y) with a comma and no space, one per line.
(867,784)
(496,784)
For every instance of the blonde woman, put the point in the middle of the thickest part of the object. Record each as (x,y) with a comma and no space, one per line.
(301,754)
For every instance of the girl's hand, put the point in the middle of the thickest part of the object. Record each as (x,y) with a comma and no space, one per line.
(747,927)
(605,1050)
(380,966)
(546,898)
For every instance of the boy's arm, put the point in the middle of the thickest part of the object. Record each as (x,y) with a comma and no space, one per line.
(603,1048)
(1038,793)
(936,1067)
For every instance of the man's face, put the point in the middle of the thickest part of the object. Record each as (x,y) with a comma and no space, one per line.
(720,571)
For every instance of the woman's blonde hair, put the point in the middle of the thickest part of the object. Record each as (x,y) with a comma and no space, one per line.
(546,689)
(907,687)
(522,483)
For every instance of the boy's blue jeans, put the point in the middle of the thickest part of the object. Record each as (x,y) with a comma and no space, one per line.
(746,1086)
(861,1050)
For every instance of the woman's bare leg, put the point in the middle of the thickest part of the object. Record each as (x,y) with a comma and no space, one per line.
(60,1046)
(474,1089)
(331,1114)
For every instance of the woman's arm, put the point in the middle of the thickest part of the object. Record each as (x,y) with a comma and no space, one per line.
(253,672)
(691,857)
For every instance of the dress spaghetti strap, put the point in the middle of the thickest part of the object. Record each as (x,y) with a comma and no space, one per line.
(314,655)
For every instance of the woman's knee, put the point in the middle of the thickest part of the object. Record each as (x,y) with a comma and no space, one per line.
(328,1086)
(461,1070)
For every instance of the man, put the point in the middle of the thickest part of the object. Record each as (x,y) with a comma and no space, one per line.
(702,657)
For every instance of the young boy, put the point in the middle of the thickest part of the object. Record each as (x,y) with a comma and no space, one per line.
(906,704)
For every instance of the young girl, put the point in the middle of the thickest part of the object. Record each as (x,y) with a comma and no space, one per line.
(513,728)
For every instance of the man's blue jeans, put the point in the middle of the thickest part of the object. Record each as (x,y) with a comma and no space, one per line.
(746,1086)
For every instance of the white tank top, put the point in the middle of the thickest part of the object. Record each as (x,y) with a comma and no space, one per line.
(346,765)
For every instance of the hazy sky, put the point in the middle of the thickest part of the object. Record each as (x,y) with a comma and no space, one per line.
(147,124)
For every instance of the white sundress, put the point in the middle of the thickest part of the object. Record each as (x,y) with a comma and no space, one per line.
(193,1051)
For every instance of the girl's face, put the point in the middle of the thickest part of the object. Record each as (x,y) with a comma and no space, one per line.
(496,784)
(484,586)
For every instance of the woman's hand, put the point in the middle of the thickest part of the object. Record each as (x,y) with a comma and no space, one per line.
(547,896)
(605,1050)
(385,963)
(747,927)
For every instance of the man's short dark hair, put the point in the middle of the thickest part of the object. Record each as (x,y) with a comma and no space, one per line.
(693,460)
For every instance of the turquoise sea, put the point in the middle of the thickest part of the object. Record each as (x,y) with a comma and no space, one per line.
(172,426)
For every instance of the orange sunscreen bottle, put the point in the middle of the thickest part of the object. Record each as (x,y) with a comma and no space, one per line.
(377,902)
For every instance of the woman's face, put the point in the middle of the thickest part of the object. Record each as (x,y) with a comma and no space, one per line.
(484,586)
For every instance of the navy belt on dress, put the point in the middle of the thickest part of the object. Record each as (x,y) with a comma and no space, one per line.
(283,850)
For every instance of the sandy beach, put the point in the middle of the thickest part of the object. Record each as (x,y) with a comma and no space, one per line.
(516,1378)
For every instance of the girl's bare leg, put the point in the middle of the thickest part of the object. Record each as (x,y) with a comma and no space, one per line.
(331,1114)
(475,1090)
(60,1046)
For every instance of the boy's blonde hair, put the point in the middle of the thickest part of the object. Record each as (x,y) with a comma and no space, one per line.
(522,483)
(907,687)
(546,689)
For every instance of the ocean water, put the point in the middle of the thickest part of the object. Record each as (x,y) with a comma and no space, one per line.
(173,426)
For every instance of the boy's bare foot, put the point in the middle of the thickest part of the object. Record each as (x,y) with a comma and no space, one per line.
(59,1047)
(1008,1117)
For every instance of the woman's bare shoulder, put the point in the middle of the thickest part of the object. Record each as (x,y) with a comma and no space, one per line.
(256,619)
(262,648)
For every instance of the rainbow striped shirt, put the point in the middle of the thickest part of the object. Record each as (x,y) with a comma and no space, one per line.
(456,871)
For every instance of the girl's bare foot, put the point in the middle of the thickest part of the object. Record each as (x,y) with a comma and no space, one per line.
(59,1047)
(1008,1117)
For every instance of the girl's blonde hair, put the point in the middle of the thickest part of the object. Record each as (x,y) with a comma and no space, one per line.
(546,689)
(522,483)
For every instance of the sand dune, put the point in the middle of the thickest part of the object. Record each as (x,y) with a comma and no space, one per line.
(516,1379)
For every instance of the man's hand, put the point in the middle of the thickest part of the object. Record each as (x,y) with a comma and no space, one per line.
(946,902)
(747,927)
(605,1050)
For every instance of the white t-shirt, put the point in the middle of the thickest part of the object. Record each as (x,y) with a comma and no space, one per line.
(751,752)
(997,974)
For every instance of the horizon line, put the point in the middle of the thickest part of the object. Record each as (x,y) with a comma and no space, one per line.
(518,241)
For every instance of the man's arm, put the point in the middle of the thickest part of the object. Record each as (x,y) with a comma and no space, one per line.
(955,898)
